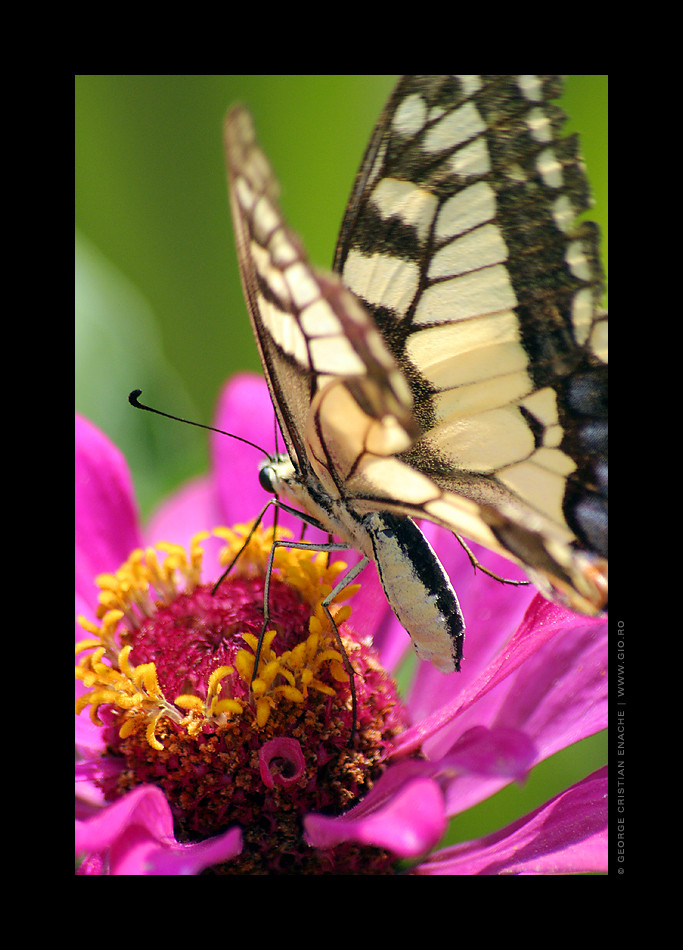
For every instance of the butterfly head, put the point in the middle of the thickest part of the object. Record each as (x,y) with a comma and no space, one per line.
(279,476)
(276,474)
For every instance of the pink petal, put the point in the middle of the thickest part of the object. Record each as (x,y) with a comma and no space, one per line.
(557,697)
(402,813)
(190,509)
(135,836)
(244,409)
(543,621)
(94,768)
(509,753)
(567,835)
(106,514)
(193,507)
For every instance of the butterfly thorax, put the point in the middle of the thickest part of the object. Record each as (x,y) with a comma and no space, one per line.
(333,514)
(416,585)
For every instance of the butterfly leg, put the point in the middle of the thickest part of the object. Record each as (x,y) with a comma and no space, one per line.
(343,582)
(348,667)
(248,538)
(477,565)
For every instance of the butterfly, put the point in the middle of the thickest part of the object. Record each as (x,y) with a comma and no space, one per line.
(453,366)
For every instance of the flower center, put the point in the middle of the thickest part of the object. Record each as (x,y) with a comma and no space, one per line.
(169,673)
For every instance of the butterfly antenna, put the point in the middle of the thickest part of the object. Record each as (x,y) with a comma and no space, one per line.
(133,400)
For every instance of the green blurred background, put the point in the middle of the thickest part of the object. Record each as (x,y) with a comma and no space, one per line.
(159,304)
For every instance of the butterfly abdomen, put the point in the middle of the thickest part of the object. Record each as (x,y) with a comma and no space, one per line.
(417,589)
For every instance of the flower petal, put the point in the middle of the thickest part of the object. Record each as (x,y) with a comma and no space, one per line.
(542,622)
(492,752)
(244,409)
(135,836)
(567,835)
(105,509)
(193,507)
(403,812)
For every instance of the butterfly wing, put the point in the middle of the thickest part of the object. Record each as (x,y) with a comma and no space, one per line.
(478,406)
(460,240)
(312,334)
(340,398)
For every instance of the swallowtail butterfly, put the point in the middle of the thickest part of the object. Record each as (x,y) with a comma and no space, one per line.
(453,367)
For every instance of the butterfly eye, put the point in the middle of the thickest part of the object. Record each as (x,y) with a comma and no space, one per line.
(266,477)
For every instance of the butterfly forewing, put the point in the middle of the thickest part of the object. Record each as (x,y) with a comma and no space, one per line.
(310,330)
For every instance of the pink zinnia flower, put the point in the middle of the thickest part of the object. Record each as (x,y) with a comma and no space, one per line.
(184,769)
